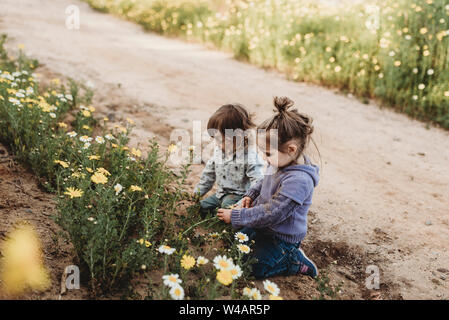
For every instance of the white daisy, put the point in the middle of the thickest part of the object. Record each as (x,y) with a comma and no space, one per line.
(177,292)
(201,261)
(236,272)
(223,263)
(171,279)
(166,249)
(243,248)
(85,139)
(255,294)
(72,134)
(109,137)
(99,140)
(271,287)
(118,188)
(241,237)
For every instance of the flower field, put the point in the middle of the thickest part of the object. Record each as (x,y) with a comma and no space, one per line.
(126,214)
(393,51)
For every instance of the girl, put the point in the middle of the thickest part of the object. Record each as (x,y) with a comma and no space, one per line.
(234,165)
(274,211)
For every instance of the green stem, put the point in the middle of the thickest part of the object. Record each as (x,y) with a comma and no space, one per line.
(196,224)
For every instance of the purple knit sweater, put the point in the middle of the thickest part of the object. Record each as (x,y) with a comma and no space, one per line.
(281,202)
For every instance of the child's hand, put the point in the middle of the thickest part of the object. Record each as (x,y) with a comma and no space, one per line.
(247,202)
(224,215)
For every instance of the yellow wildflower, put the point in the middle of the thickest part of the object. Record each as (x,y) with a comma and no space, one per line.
(103,171)
(99,178)
(22,267)
(94,157)
(187,262)
(62,163)
(74,193)
(172,148)
(135,188)
(224,277)
(136,152)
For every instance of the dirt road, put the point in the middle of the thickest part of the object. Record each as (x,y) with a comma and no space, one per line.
(385,178)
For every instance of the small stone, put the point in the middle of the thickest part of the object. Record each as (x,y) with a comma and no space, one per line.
(443,277)
(28,211)
(428,222)
(443,270)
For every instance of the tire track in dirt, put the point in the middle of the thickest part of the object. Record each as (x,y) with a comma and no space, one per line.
(383,176)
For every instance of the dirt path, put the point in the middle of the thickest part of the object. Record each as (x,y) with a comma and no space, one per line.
(385,178)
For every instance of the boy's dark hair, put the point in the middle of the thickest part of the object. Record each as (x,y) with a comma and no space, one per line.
(230,116)
(290,124)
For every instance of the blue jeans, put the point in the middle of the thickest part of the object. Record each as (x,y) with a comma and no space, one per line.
(213,202)
(274,256)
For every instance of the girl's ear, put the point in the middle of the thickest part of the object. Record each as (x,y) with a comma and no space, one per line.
(292,149)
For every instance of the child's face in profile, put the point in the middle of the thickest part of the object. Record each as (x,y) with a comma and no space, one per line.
(277,158)
(274,157)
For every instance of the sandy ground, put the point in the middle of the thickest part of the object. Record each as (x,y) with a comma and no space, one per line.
(385,178)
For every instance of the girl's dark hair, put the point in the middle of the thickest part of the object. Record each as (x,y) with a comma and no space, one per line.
(230,116)
(290,124)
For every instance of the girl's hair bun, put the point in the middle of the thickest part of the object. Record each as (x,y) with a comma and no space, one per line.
(282,104)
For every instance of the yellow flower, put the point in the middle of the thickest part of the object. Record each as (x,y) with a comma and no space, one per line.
(74,193)
(99,178)
(103,171)
(140,241)
(147,243)
(172,148)
(62,163)
(94,157)
(55,81)
(122,130)
(22,267)
(136,152)
(224,277)
(135,188)
(423,30)
(397,63)
(62,125)
(187,262)
(78,175)
(130,121)
(86,127)
(91,109)
(89,170)
(273,297)
(21,46)
(85,113)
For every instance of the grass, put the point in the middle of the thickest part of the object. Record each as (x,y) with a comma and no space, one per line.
(392,51)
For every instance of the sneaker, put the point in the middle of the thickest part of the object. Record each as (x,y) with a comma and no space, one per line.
(307,268)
